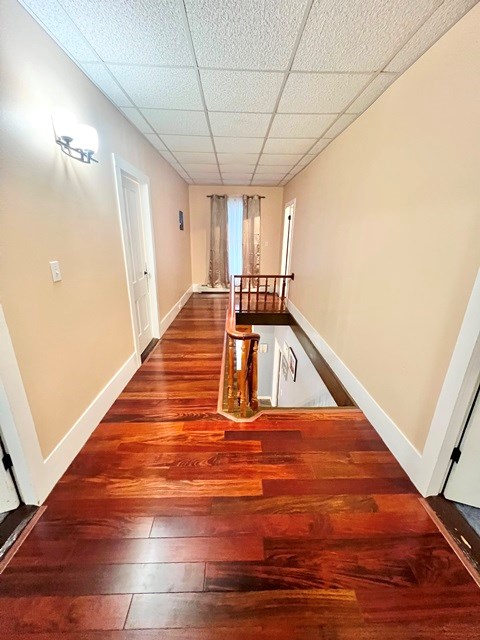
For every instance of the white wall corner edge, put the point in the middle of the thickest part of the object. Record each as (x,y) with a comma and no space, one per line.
(404,451)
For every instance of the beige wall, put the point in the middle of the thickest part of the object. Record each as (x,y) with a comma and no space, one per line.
(271,226)
(387,232)
(70,338)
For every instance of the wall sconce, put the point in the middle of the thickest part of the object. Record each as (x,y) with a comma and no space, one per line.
(79,141)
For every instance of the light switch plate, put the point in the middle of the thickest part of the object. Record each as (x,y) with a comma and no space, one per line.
(263,348)
(55,269)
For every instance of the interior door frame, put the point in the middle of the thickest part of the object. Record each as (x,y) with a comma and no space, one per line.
(287,242)
(122,167)
(455,401)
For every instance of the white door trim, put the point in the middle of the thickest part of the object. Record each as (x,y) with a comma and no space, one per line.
(455,400)
(122,166)
(293,204)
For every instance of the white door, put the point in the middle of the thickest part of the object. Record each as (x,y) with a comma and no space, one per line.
(9,499)
(464,481)
(137,266)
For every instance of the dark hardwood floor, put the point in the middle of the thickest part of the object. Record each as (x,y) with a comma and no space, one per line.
(174,523)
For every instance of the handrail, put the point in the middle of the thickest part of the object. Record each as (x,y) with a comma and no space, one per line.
(247,379)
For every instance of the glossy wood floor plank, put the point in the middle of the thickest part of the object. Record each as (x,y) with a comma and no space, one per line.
(309,607)
(175,523)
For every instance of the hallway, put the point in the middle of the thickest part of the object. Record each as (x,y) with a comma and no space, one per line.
(172,517)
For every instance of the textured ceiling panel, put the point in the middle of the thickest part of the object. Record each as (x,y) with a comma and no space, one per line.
(289,125)
(341,124)
(258,180)
(279,159)
(201,73)
(245,34)
(61,27)
(237,168)
(159,88)
(183,123)
(288,145)
(104,81)
(371,92)
(235,158)
(241,90)
(358,35)
(250,125)
(155,140)
(146,32)
(188,143)
(239,145)
(320,93)
(188,156)
(445,17)
(137,119)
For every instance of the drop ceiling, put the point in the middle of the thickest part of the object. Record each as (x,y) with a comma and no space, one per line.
(244,91)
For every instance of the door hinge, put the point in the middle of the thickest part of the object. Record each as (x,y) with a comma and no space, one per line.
(7,462)
(456,453)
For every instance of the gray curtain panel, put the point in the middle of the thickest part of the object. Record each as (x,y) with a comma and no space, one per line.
(218,266)
(251,235)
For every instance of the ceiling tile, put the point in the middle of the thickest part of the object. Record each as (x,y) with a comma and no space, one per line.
(159,88)
(177,122)
(155,140)
(187,156)
(236,183)
(98,73)
(443,18)
(198,167)
(136,118)
(372,92)
(321,93)
(269,176)
(280,168)
(341,124)
(246,34)
(204,176)
(239,177)
(320,146)
(358,35)
(279,159)
(146,32)
(188,143)
(236,158)
(60,26)
(250,125)
(237,168)
(241,90)
(207,181)
(265,182)
(305,160)
(290,125)
(288,145)
(238,145)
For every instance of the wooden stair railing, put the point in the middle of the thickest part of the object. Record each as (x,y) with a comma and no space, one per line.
(273,299)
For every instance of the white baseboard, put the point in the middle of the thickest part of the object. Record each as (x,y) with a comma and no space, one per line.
(403,450)
(169,317)
(203,288)
(58,461)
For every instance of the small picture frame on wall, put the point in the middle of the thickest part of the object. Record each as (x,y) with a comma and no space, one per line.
(180,220)
(292,364)
(284,367)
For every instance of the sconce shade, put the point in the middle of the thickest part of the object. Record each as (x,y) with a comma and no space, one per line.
(64,123)
(85,137)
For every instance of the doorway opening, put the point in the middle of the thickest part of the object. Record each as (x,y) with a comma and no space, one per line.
(14,515)
(133,192)
(288,224)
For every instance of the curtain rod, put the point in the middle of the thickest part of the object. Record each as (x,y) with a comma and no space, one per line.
(226,196)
